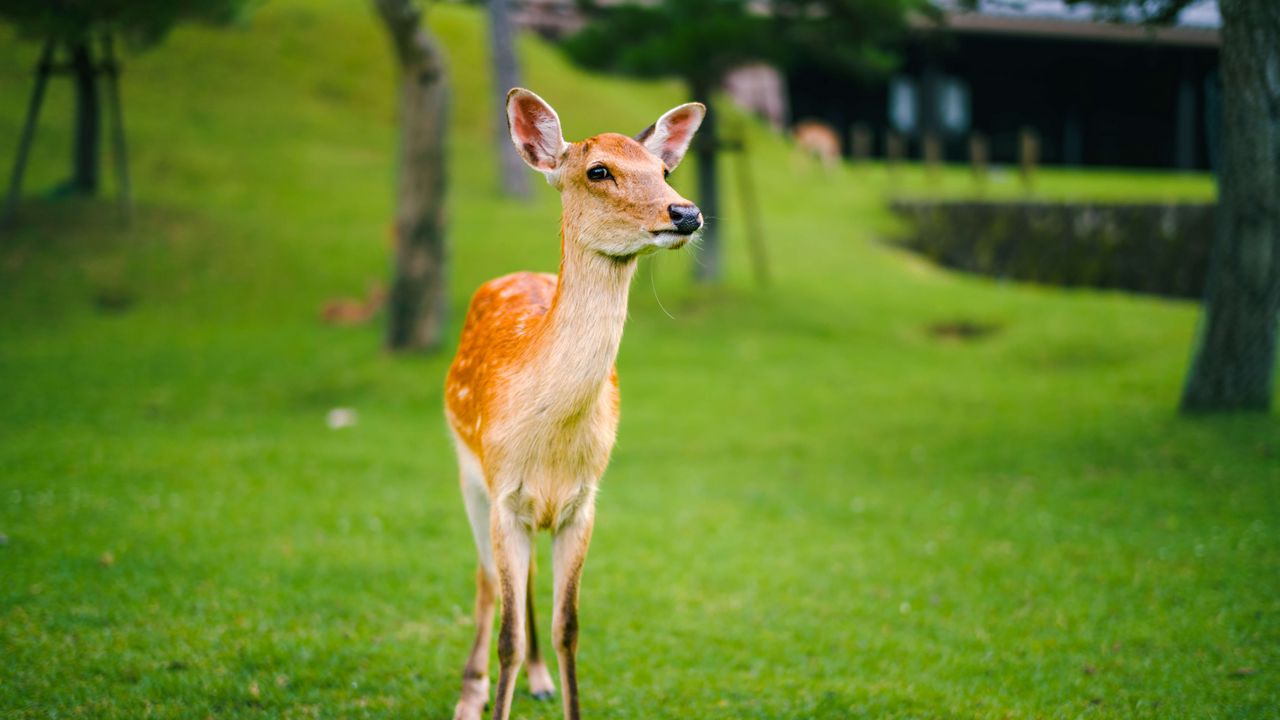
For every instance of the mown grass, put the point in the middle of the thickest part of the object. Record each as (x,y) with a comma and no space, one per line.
(1047,184)
(818,507)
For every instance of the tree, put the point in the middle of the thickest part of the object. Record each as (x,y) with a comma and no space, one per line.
(1233,365)
(417,303)
(74,26)
(506,75)
(700,41)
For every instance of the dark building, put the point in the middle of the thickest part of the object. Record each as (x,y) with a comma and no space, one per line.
(1092,93)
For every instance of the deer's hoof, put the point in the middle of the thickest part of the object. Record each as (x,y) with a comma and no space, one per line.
(540,685)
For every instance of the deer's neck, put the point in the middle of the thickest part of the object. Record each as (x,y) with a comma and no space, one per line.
(578,344)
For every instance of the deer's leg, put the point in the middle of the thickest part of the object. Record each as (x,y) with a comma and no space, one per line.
(512,549)
(535,668)
(475,675)
(569,552)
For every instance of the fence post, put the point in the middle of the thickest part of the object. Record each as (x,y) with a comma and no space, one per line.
(979,158)
(1028,155)
(932,151)
(860,142)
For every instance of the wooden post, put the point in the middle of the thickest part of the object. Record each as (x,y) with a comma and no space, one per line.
(860,142)
(751,211)
(979,158)
(893,149)
(119,152)
(931,146)
(1028,155)
(43,69)
(707,266)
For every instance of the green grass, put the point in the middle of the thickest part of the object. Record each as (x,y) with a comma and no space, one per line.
(1049,184)
(816,509)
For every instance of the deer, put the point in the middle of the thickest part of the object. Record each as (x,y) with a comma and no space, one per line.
(531,398)
(352,311)
(818,139)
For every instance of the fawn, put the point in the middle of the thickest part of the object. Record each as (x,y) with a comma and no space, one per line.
(818,139)
(532,395)
(350,311)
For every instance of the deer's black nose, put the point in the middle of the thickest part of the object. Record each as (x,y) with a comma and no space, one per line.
(685,217)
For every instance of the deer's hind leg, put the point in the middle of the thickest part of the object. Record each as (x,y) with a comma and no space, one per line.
(475,674)
(535,668)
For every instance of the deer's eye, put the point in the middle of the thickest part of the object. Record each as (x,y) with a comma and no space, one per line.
(666,173)
(599,172)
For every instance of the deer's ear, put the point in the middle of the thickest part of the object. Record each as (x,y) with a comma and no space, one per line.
(669,137)
(535,130)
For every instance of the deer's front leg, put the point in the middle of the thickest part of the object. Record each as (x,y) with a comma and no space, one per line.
(512,548)
(569,552)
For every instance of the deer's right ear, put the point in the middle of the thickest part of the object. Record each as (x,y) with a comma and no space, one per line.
(535,130)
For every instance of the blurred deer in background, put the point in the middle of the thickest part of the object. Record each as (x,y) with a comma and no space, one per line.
(352,311)
(532,395)
(818,139)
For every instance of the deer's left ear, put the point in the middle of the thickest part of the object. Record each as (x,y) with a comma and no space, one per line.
(669,137)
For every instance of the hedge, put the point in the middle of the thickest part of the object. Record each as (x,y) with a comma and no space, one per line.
(1156,249)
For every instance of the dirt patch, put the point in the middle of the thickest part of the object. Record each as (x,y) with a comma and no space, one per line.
(962,330)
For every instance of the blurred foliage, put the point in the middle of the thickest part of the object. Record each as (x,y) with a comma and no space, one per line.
(700,40)
(140,22)
(852,36)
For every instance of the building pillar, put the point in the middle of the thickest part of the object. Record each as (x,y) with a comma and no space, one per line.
(1185,122)
(930,124)
(1072,139)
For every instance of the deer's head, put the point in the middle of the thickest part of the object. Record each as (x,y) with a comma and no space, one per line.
(613,188)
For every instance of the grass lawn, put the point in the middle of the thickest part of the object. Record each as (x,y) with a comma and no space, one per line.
(817,508)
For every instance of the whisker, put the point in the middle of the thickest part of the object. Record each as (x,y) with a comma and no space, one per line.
(654,286)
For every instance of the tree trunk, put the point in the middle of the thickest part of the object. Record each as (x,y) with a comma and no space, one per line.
(513,174)
(119,151)
(706,146)
(88,115)
(416,308)
(1234,365)
(44,67)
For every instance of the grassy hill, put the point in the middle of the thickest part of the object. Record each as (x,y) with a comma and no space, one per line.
(822,505)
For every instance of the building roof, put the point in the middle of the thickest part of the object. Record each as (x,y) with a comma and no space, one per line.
(1197,25)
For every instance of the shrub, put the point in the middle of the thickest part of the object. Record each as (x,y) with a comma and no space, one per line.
(1156,249)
